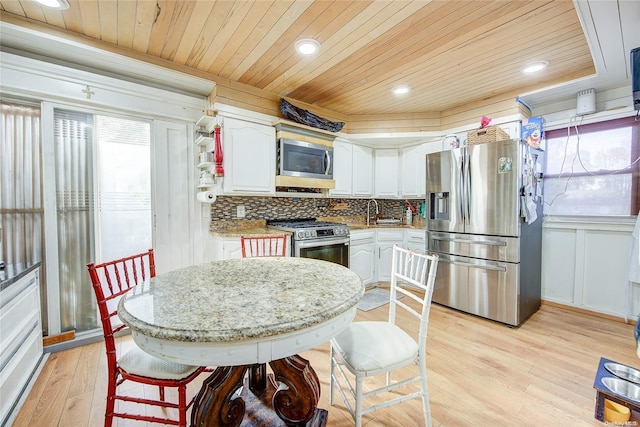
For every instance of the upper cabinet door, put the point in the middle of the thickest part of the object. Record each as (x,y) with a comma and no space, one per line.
(412,172)
(386,173)
(362,171)
(249,157)
(342,168)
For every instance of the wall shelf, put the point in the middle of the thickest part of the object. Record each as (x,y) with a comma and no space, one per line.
(206,122)
(204,165)
(203,141)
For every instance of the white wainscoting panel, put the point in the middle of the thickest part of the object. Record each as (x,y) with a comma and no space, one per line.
(585,263)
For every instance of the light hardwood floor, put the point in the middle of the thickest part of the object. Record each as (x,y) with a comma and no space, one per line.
(481,373)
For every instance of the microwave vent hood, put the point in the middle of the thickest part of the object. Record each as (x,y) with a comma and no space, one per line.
(286,130)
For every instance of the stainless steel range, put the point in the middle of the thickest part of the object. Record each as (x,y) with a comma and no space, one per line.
(328,241)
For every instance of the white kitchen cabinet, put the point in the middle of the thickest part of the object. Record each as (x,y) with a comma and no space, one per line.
(249,152)
(362,256)
(342,168)
(372,249)
(227,248)
(20,338)
(412,172)
(362,173)
(416,240)
(385,239)
(386,170)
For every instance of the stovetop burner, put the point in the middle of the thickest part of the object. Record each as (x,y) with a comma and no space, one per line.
(309,228)
(301,223)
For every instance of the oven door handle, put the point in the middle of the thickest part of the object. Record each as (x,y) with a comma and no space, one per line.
(303,244)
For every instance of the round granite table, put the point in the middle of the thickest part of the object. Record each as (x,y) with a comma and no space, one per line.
(239,315)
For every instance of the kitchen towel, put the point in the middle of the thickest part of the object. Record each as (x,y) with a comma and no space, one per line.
(633,273)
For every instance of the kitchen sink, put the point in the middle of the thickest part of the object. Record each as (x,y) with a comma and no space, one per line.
(388,221)
(623,371)
(623,388)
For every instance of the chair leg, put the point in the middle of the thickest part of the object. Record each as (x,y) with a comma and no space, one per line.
(358,402)
(331,373)
(426,409)
(161,390)
(111,400)
(182,405)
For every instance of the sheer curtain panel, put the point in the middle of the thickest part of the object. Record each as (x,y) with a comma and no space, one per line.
(21,204)
(73,142)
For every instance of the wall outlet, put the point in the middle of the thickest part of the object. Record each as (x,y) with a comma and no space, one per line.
(240,211)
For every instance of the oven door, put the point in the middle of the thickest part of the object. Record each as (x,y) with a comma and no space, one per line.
(332,250)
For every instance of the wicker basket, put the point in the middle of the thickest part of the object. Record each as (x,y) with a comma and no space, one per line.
(488,134)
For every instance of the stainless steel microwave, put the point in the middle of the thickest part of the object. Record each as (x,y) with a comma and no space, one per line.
(304,159)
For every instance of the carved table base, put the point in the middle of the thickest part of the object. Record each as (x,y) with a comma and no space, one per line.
(289,397)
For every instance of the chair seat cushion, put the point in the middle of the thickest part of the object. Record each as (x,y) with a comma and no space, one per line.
(138,362)
(370,348)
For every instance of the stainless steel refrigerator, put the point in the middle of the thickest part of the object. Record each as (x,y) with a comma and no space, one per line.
(484,220)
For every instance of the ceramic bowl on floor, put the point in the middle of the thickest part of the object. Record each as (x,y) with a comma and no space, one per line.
(615,412)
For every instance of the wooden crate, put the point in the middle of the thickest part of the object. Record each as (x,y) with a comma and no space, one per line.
(488,134)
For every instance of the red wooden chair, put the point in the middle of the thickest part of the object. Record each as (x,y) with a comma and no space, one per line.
(110,281)
(261,246)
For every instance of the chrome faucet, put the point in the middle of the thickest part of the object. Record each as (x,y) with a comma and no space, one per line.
(368,205)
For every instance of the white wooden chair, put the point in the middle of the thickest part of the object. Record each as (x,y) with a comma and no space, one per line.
(378,347)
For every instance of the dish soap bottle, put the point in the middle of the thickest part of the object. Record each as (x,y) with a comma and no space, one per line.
(409,216)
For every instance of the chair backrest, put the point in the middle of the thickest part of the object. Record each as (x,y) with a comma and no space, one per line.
(261,246)
(410,272)
(113,279)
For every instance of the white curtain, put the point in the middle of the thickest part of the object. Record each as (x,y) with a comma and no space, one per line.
(73,145)
(21,209)
(20,191)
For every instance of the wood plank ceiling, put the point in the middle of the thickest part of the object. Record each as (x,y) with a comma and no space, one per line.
(450,52)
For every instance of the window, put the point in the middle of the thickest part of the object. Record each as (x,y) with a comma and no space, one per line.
(593,169)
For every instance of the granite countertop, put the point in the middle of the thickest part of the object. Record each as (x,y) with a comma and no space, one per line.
(240,299)
(360,223)
(244,228)
(11,273)
(390,227)
(258,227)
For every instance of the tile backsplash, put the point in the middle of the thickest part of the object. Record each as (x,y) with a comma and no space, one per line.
(264,208)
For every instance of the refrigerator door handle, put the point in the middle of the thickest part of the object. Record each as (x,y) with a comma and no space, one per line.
(461,187)
(467,184)
(473,242)
(470,264)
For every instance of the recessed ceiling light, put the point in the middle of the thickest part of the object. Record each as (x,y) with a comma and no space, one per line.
(55,4)
(307,46)
(401,89)
(534,67)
